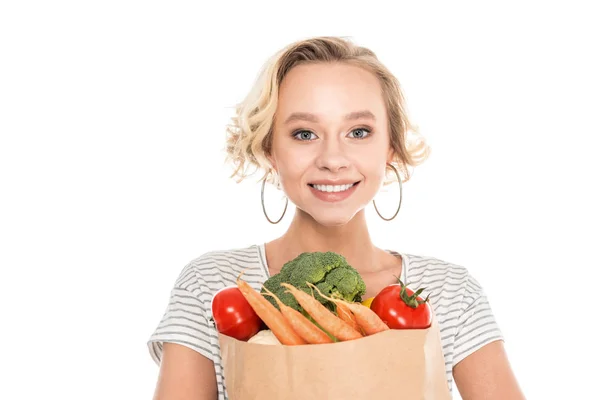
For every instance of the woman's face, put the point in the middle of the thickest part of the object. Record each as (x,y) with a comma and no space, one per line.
(331,141)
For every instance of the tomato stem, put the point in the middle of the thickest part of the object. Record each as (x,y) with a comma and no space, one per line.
(412,301)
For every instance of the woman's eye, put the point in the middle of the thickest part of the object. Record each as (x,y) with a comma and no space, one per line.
(304,135)
(359,133)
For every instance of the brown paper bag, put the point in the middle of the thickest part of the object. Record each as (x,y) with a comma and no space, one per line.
(402,364)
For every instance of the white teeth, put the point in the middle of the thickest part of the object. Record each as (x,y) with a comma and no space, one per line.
(332,188)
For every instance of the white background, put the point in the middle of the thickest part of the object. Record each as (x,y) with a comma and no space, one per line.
(112,120)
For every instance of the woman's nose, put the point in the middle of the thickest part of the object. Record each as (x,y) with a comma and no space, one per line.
(331,156)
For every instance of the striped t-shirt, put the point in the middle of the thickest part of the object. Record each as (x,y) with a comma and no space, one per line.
(465,318)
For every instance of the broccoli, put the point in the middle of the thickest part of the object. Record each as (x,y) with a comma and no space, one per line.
(329,271)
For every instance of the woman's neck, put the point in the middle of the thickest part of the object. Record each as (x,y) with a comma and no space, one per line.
(351,240)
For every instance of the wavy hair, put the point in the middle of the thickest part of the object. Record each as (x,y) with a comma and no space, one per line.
(249,135)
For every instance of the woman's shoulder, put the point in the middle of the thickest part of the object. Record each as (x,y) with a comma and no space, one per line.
(446,282)
(187,319)
(431,268)
(460,303)
(216,269)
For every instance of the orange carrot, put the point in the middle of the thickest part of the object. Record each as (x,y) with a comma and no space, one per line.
(346,315)
(270,316)
(303,327)
(365,317)
(328,320)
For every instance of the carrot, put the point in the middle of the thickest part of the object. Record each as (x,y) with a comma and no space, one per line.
(346,315)
(365,317)
(303,327)
(270,315)
(328,320)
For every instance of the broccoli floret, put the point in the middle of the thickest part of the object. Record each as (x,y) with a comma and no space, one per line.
(324,287)
(273,284)
(347,283)
(331,260)
(312,267)
(289,266)
(307,271)
(329,271)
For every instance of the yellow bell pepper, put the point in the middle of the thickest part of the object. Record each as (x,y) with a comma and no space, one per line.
(367,302)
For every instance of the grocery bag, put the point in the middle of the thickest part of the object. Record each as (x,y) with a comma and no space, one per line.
(400,364)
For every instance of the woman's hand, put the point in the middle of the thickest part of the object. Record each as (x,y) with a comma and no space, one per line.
(185,374)
(486,374)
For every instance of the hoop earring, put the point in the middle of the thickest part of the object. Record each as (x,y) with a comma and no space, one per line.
(399,202)
(262,201)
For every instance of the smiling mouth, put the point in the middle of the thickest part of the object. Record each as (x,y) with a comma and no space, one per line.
(333,188)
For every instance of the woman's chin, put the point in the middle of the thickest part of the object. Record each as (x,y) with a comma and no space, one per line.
(333,218)
(333,223)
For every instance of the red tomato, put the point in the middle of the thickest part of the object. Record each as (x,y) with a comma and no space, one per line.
(401,308)
(233,315)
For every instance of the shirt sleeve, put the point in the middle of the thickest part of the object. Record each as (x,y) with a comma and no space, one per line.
(184,322)
(477,325)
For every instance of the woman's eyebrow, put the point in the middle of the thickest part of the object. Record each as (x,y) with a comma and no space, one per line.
(304,116)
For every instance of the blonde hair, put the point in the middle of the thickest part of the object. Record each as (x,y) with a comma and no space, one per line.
(249,136)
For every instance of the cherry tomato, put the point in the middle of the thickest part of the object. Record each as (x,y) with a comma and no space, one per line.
(401,308)
(233,315)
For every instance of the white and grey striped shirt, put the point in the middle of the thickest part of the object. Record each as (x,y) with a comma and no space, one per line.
(465,318)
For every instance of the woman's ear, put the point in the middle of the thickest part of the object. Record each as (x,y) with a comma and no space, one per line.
(391,155)
(272,162)
(273,165)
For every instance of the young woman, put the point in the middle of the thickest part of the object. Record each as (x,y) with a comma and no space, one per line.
(327,124)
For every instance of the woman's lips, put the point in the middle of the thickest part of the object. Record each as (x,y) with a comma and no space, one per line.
(332,196)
